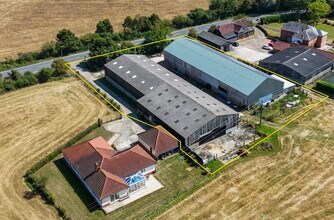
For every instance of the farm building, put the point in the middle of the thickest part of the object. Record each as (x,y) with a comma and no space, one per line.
(215,41)
(158,142)
(234,30)
(108,175)
(288,86)
(303,65)
(166,99)
(232,79)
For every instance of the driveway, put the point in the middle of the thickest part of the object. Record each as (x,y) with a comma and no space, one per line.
(250,48)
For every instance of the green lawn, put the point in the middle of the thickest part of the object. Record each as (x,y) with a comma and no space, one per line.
(276,25)
(321,26)
(173,172)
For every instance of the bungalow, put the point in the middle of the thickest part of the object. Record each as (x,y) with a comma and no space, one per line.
(108,175)
(158,142)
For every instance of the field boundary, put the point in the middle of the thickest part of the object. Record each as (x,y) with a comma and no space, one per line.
(323,98)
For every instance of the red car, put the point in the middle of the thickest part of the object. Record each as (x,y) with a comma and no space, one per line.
(271,44)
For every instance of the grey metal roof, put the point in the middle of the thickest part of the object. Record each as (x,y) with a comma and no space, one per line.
(167,91)
(235,74)
(229,35)
(138,76)
(212,38)
(302,60)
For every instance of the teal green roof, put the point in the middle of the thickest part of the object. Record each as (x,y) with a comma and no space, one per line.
(218,65)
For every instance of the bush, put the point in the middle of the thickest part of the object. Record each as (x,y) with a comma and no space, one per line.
(181,21)
(325,86)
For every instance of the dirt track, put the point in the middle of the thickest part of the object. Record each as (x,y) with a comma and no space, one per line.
(296,183)
(34,121)
(25,25)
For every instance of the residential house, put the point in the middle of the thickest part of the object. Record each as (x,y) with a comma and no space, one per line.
(234,30)
(300,33)
(108,175)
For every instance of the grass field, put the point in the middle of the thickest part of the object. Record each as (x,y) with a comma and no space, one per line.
(296,182)
(175,174)
(34,121)
(26,24)
(321,26)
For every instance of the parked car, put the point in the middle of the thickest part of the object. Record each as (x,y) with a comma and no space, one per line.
(235,44)
(266,47)
(271,44)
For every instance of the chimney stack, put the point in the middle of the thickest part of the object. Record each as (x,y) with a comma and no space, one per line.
(97,166)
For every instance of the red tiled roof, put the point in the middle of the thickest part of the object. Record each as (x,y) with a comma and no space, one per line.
(159,140)
(281,45)
(233,26)
(113,166)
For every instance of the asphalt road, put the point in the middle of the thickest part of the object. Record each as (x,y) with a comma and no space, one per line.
(38,66)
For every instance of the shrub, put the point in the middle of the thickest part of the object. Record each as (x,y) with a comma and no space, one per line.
(325,86)
(181,21)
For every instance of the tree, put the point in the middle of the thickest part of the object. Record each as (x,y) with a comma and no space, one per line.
(48,50)
(181,21)
(298,5)
(101,45)
(212,28)
(59,68)
(104,27)
(159,33)
(201,16)
(224,8)
(44,75)
(9,85)
(31,78)
(14,75)
(192,33)
(318,9)
(67,42)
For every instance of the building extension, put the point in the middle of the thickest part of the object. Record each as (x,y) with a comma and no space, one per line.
(303,65)
(308,35)
(166,99)
(108,175)
(215,41)
(158,142)
(232,79)
(234,30)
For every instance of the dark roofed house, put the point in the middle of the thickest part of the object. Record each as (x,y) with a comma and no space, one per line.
(108,175)
(234,30)
(303,65)
(308,35)
(158,142)
(214,40)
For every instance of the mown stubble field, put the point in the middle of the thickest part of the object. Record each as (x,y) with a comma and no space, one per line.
(296,183)
(35,121)
(25,25)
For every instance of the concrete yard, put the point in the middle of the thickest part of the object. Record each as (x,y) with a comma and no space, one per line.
(226,147)
(125,133)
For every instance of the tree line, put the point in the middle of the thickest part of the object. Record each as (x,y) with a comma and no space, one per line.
(153,28)
(15,80)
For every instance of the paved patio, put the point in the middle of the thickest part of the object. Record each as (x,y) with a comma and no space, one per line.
(152,185)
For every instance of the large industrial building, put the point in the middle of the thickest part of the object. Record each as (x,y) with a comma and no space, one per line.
(303,65)
(166,99)
(232,79)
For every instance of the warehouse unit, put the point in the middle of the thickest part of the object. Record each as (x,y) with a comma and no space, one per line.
(303,65)
(215,41)
(166,99)
(232,79)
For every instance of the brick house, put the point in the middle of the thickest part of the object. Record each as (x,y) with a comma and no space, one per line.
(300,33)
(234,30)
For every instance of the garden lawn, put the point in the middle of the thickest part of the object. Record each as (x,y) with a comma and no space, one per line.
(173,172)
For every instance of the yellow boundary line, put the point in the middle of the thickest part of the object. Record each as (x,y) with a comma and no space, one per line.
(324,97)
